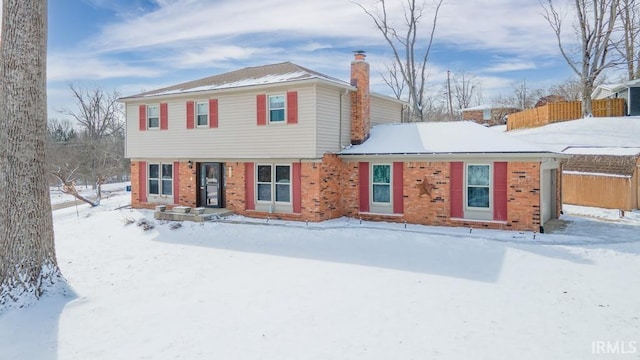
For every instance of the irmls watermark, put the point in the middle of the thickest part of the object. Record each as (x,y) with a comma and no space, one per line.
(614,347)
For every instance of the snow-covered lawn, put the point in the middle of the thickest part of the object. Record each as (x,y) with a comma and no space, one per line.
(58,197)
(335,290)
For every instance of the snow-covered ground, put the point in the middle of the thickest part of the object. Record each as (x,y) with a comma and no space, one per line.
(58,197)
(248,289)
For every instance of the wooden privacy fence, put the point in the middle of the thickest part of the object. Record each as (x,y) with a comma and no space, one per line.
(600,191)
(563,111)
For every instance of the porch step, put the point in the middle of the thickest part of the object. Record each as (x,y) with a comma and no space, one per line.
(195,214)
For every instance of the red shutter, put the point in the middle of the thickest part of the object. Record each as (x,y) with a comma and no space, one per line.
(213,113)
(164,116)
(142,181)
(296,181)
(363,174)
(261,109)
(190,110)
(457,180)
(500,191)
(249,192)
(292,107)
(398,198)
(142,116)
(176,182)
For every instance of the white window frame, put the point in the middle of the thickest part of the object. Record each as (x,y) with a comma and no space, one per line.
(390,183)
(149,117)
(273,184)
(161,179)
(258,183)
(486,114)
(489,187)
(197,115)
(283,108)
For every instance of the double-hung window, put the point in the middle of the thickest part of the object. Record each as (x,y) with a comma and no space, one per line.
(160,179)
(153,117)
(276,108)
(381,183)
(202,113)
(478,180)
(274,183)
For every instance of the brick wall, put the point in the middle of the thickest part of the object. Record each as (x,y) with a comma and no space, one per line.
(425,209)
(330,189)
(234,189)
(331,170)
(522,204)
(188,182)
(135,184)
(523,195)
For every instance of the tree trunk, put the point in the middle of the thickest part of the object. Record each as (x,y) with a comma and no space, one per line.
(28,265)
(587,87)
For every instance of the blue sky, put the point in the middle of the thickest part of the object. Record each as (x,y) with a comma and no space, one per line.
(136,45)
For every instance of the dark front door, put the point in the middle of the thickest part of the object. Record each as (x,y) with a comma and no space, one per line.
(210,184)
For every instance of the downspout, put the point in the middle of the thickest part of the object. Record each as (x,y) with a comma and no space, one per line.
(340,117)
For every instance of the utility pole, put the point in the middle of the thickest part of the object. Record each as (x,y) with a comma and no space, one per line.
(449,92)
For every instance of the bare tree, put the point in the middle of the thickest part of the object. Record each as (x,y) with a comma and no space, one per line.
(596,21)
(28,266)
(628,46)
(467,90)
(570,89)
(394,80)
(410,53)
(101,137)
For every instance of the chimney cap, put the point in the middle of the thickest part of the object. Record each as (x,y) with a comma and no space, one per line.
(360,54)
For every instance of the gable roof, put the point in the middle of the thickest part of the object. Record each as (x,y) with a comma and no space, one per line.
(249,76)
(456,137)
(605,90)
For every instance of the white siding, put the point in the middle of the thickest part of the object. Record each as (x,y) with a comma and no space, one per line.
(384,111)
(329,138)
(237,136)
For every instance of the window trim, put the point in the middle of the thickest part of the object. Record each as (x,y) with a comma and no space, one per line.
(258,183)
(284,108)
(486,114)
(371,183)
(273,184)
(148,115)
(195,113)
(160,179)
(489,186)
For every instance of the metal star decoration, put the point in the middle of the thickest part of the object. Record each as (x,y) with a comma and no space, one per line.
(425,187)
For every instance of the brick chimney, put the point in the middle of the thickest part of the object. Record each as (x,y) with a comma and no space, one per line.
(360,108)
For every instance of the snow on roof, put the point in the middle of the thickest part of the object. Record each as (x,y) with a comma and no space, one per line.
(458,137)
(266,79)
(589,132)
(250,76)
(591,150)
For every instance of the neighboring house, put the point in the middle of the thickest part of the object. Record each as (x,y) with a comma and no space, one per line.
(604,177)
(630,91)
(488,114)
(286,142)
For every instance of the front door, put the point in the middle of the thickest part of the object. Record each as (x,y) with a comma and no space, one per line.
(210,184)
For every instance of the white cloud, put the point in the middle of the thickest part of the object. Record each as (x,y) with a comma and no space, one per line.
(69,67)
(506,65)
(225,21)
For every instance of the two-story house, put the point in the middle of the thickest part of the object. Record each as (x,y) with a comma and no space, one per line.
(288,142)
